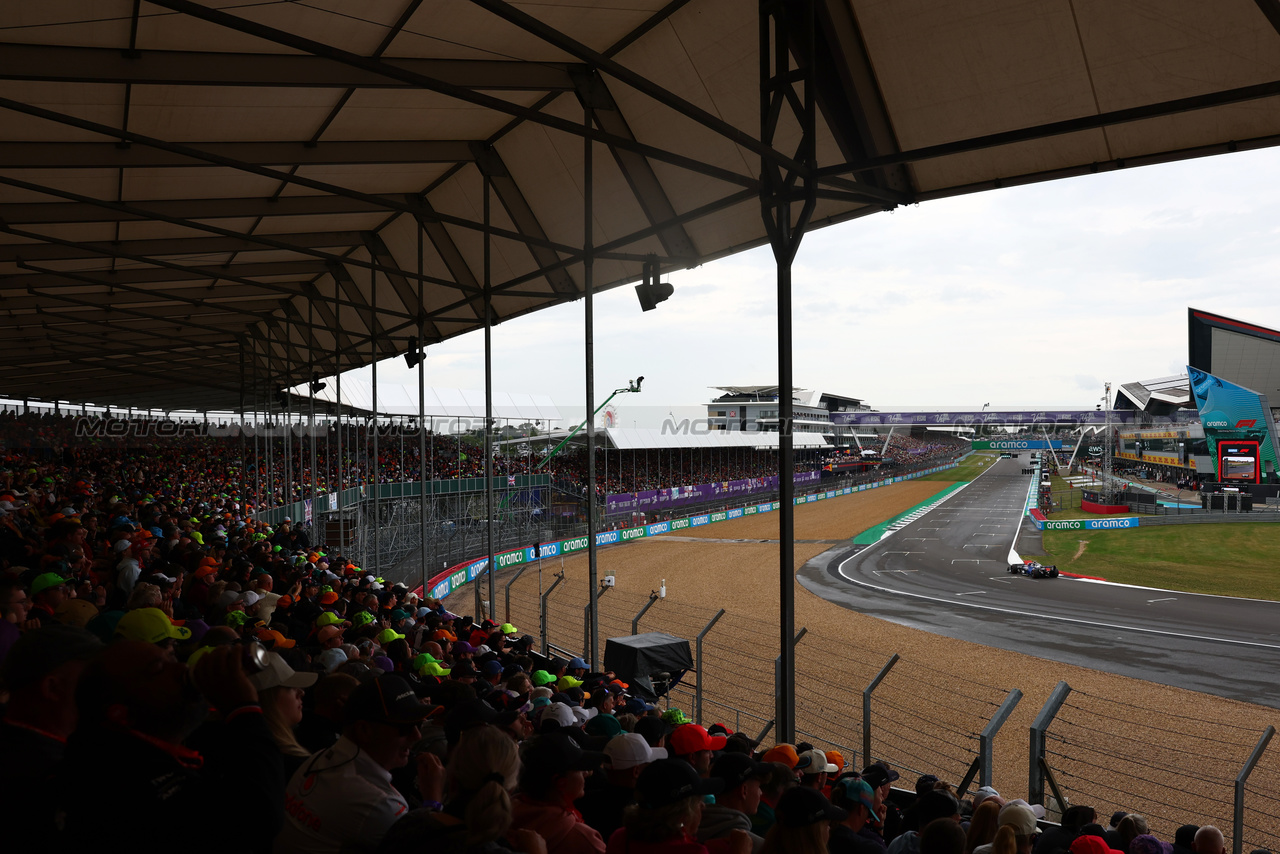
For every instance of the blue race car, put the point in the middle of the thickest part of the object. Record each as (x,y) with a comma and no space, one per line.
(1033,569)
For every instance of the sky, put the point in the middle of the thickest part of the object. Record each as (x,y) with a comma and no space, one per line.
(1022,297)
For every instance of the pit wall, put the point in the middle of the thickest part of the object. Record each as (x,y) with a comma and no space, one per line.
(441,585)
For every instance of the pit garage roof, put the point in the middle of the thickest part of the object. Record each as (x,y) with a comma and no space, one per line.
(199,200)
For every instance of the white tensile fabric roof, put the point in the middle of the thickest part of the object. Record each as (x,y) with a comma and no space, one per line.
(632,438)
(202,202)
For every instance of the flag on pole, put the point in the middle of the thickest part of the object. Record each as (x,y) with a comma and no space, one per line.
(511,480)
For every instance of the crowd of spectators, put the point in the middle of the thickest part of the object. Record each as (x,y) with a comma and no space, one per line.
(171,669)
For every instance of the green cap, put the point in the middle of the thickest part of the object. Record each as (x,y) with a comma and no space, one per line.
(46,581)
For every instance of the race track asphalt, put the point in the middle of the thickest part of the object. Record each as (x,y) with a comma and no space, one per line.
(946,573)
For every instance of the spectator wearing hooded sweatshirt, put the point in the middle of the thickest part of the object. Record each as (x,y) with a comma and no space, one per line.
(737,802)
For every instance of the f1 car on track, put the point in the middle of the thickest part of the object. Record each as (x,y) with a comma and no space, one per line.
(1034,569)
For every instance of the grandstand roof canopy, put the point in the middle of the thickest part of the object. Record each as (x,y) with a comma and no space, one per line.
(195,198)
(397,399)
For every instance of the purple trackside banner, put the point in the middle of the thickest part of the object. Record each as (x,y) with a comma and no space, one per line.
(680,496)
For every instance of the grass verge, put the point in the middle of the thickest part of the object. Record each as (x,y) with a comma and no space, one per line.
(1226,560)
(972,466)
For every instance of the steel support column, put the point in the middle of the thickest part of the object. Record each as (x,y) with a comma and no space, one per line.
(488,397)
(589,358)
(422,417)
(787,198)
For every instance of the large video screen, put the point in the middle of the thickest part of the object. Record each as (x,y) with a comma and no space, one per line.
(1238,462)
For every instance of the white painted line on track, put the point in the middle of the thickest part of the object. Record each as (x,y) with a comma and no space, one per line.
(1168,599)
(1022,613)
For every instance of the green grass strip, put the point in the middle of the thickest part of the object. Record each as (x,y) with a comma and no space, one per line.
(1236,559)
(874,534)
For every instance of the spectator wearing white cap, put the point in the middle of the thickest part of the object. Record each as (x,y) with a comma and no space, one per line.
(1016,831)
(611,792)
(813,769)
(280,691)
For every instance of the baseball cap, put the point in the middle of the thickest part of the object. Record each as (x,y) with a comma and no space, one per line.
(851,791)
(388,635)
(568,682)
(149,625)
(801,807)
(603,725)
(814,762)
(492,667)
(878,773)
(629,750)
(675,717)
(278,674)
(691,738)
(984,792)
(328,618)
(361,618)
(1019,817)
(558,712)
(275,637)
(75,612)
(331,659)
(46,581)
(555,753)
(508,629)
(388,699)
(784,753)
(328,633)
(734,769)
(541,677)
(577,664)
(666,781)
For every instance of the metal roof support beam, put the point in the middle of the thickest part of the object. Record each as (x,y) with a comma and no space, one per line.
(65,63)
(389,203)
(262,241)
(451,255)
(356,297)
(379,252)
(108,155)
(850,99)
(42,213)
(594,93)
(159,247)
(667,98)
(305,45)
(517,206)
(112,250)
(1238,95)
(148,275)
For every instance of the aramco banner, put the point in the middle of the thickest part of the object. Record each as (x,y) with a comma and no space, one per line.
(681,496)
(1017,445)
(1233,414)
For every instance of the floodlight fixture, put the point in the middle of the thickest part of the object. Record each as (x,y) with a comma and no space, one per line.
(414,355)
(650,291)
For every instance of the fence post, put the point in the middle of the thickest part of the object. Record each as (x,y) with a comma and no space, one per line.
(635,621)
(507,590)
(1040,726)
(1237,835)
(777,672)
(988,736)
(866,707)
(586,614)
(697,663)
(542,618)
